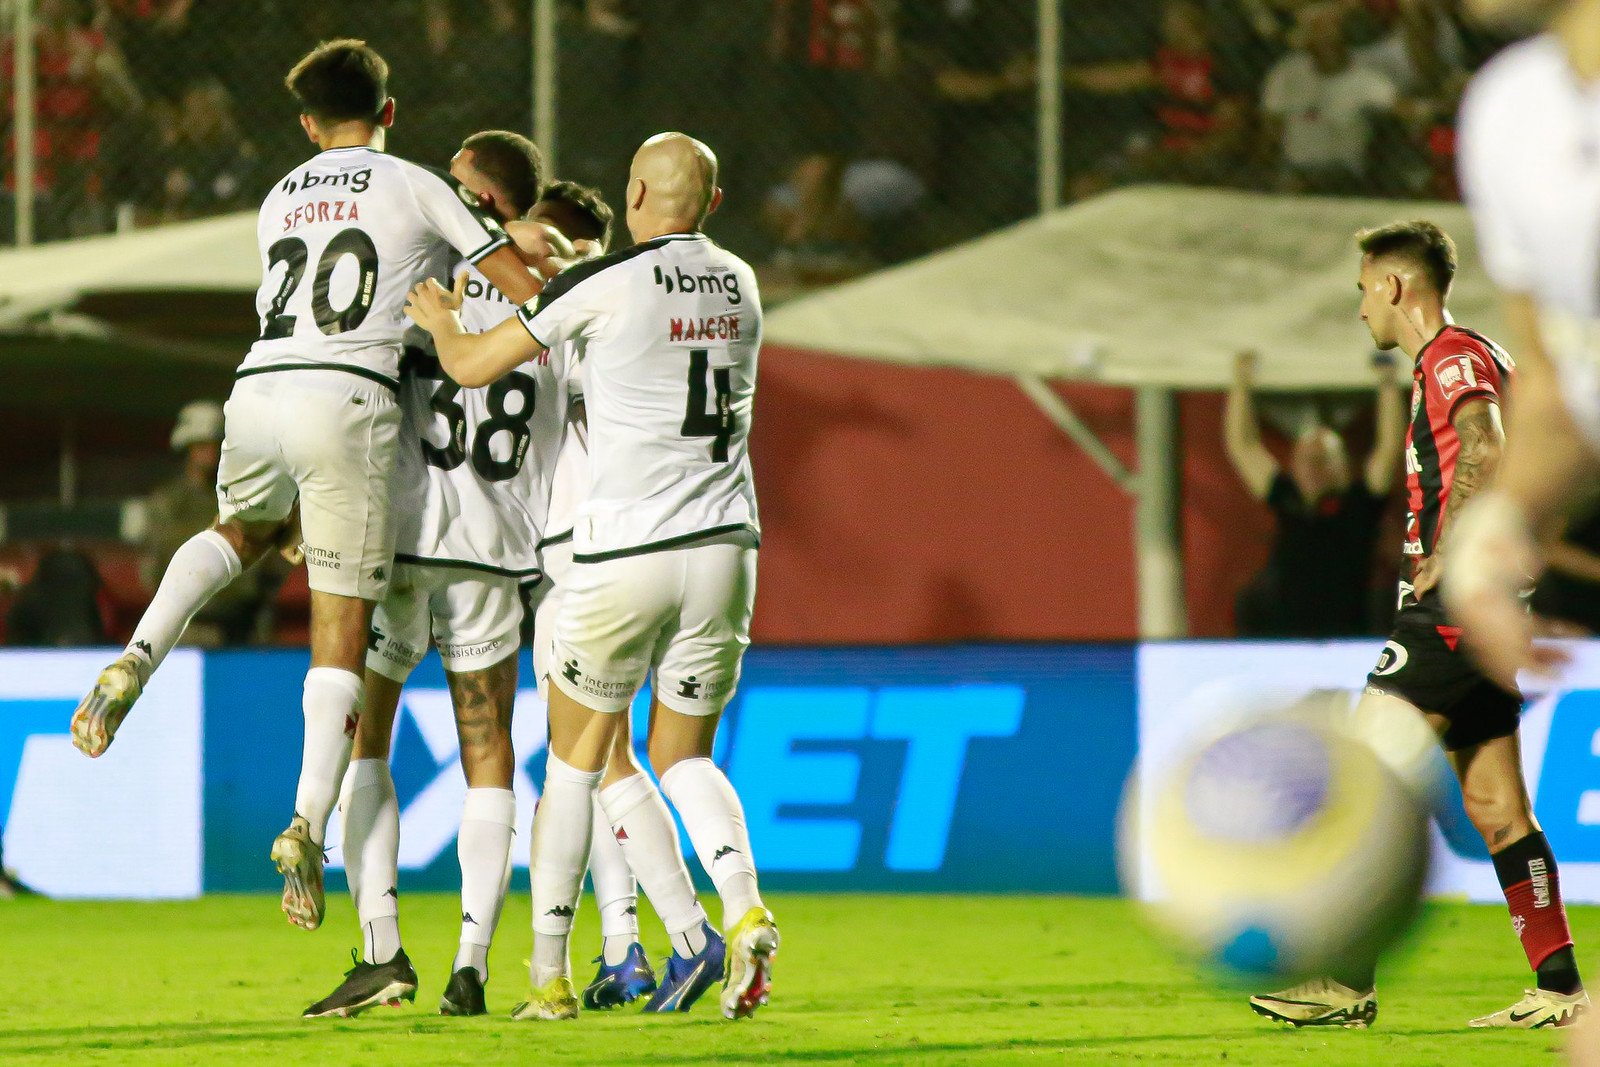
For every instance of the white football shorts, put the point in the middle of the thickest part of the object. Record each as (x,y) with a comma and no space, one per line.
(474,617)
(555,563)
(680,614)
(328,438)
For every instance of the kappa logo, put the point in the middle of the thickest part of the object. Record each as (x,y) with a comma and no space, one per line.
(466,917)
(723,851)
(377,574)
(392,891)
(561,911)
(1392,659)
(144,646)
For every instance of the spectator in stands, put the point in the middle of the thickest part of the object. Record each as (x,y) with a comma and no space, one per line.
(82,83)
(1317,582)
(977,59)
(1568,593)
(1416,45)
(473,72)
(210,165)
(1318,108)
(832,60)
(181,508)
(61,606)
(1196,132)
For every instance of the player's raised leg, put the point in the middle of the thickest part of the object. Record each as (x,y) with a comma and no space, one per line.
(483,701)
(370,821)
(1496,800)
(200,569)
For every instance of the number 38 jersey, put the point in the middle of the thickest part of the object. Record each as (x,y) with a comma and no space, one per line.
(668,333)
(343,239)
(472,484)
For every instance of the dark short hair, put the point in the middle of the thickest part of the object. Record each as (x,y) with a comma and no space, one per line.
(579,211)
(341,81)
(1421,242)
(512,162)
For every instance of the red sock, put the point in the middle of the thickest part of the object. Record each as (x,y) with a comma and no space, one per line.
(1527,871)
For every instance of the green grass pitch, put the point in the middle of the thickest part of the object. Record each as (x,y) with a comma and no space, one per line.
(860,979)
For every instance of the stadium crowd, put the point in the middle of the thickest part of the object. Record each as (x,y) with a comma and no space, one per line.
(873,129)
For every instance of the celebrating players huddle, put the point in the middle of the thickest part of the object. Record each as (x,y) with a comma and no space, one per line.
(563,430)
(540,439)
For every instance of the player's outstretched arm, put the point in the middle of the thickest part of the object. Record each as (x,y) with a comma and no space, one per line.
(508,272)
(471,359)
(1250,458)
(1390,439)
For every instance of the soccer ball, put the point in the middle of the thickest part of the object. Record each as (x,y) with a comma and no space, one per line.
(1283,849)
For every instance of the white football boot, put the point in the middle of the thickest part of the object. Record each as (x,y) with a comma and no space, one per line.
(1319,1002)
(1538,1009)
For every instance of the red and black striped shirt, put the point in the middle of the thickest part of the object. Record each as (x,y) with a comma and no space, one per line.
(1456,366)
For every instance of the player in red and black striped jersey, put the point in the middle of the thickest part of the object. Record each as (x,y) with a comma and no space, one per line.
(1452,451)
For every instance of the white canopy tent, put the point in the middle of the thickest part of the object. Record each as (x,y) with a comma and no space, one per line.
(211,255)
(1153,288)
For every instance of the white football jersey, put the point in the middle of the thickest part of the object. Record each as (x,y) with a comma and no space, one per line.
(343,239)
(1530,169)
(668,334)
(571,479)
(472,483)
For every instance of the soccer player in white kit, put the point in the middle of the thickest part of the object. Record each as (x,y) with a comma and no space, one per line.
(624,972)
(472,476)
(313,418)
(664,577)
(1530,170)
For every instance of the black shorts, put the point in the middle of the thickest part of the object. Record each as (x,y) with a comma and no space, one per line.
(1423,666)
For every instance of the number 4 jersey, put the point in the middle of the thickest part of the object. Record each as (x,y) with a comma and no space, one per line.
(343,239)
(472,484)
(668,333)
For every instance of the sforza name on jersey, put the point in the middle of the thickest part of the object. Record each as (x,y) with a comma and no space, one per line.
(322,211)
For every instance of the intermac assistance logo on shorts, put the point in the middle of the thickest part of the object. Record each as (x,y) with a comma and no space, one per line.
(592,686)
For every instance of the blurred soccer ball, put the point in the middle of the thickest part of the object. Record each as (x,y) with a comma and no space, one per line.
(1284,849)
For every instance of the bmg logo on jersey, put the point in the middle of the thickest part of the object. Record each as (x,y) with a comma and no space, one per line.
(125,825)
(676,281)
(356,181)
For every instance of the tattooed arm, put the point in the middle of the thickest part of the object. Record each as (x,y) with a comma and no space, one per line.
(1483,440)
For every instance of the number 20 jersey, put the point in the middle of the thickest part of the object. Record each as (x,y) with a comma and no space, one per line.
(668,332)
(472,484)
(343,238)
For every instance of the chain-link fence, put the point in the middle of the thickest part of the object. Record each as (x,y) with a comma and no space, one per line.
(852,132)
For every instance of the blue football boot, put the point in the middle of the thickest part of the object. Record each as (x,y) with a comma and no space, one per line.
(623,984)
(689,977)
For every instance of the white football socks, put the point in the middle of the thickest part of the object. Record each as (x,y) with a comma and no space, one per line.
(331,703)
(488,822)
(562,828)
(369,813)
(616,893)
(712,814)
(200,569)
(649,838)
